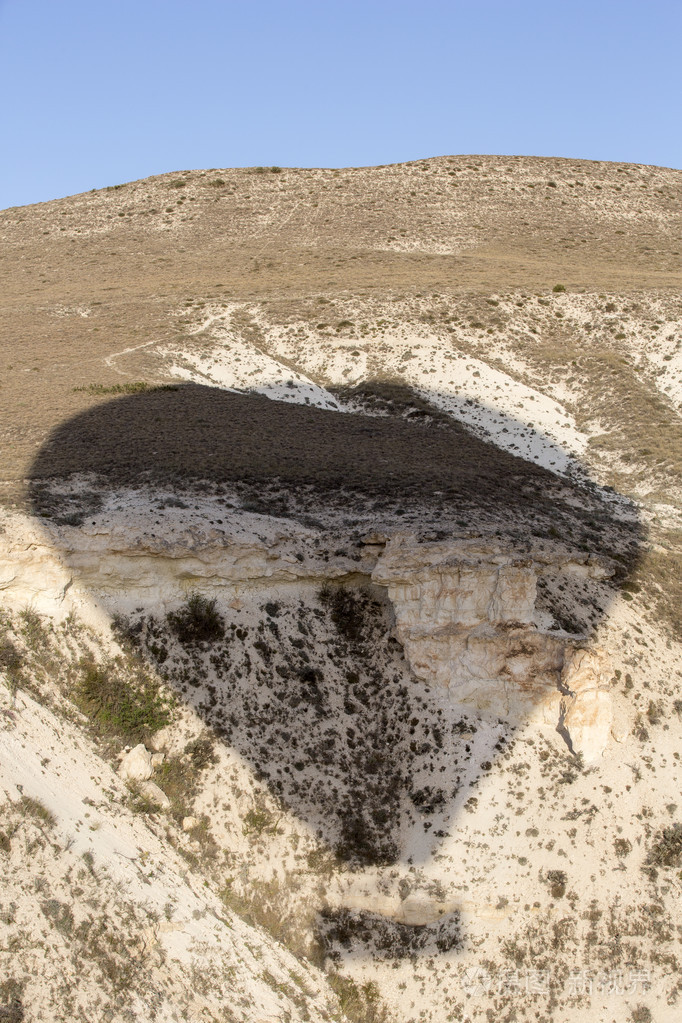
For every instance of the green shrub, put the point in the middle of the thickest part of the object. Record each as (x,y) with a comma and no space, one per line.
(117,705)
(10,662)
(201,752)
(198,621)
(259,820)
(559,287)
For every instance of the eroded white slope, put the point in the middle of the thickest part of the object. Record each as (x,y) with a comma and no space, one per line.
(95,892)
(291,364)
(220,357)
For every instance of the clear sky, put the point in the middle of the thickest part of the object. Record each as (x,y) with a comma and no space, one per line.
(96,92)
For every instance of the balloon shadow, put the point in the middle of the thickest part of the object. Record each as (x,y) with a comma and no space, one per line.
(312,688)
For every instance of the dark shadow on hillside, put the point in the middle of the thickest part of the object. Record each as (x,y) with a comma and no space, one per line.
(361,724)
(280,455)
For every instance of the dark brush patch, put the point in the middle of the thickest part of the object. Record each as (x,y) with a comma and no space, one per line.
(382,938)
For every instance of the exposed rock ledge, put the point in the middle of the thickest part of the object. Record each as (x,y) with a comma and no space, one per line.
(465,615)
(464,609)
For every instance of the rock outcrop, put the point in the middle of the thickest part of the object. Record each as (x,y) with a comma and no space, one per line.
(138,763)
(465,610)
(587,707)
(465,615)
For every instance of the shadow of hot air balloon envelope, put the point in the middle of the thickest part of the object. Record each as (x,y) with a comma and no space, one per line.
(317,696)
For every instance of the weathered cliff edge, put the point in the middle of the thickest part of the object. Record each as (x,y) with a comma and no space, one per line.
(466,616)
(465,609)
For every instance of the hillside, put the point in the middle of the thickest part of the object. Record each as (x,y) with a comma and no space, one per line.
(356,496)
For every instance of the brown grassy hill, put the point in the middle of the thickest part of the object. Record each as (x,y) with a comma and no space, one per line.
(93,274)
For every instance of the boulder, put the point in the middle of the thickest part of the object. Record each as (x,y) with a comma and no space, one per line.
(418,912)
(137,764)
(151,791)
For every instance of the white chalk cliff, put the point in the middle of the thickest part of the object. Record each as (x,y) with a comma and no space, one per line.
(465,610)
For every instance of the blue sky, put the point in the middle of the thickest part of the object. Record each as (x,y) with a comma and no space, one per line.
(95,92)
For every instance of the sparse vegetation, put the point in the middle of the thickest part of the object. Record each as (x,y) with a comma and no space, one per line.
(359,1003)
(11,662)
(37,810)
(131,387)
(130,707)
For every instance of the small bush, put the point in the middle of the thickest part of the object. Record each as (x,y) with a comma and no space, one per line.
(559,287)
(347,611)
(33,630)
(622,847)
(201,752)
(10,662)
(59,914)
(259,821)
(126,632)
(38,811)
(556,880)
(178,780)
(197,622)
(667,849)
